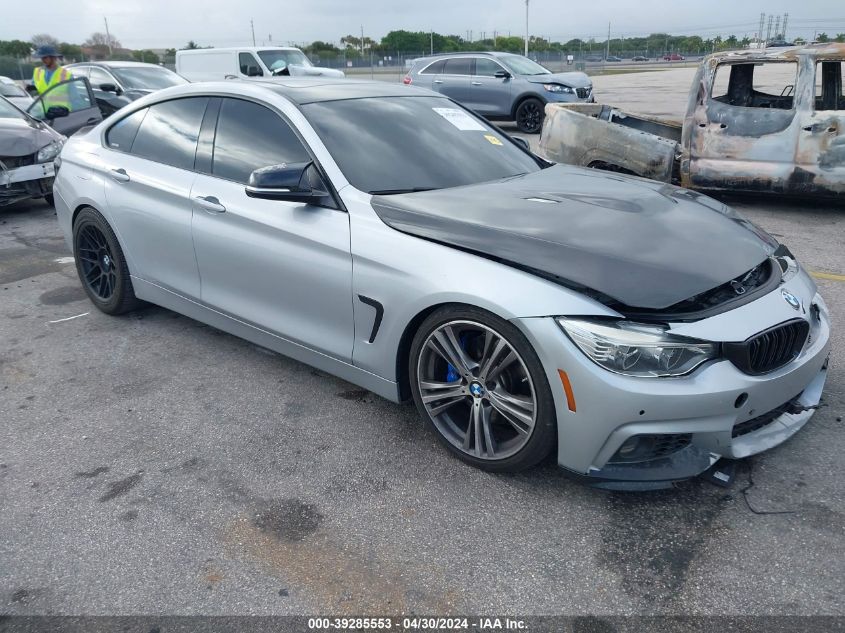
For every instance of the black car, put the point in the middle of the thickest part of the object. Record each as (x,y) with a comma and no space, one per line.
(613,58)
(117,84)
(639,58)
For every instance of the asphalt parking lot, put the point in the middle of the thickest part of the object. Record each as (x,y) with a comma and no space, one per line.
(151,464)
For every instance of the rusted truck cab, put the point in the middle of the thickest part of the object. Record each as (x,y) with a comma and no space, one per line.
(757,120)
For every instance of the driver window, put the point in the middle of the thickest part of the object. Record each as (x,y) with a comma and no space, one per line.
(249,65)
(756,85)
(72,95)
(99,77)
(486,67)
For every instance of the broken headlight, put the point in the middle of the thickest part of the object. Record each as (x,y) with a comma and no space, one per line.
(636,349)
(559,88)
(48,152)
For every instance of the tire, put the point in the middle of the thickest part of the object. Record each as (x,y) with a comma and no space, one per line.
(529,115)
(49,199)
(101,265)
(494,393)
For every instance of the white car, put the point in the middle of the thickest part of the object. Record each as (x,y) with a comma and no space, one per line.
(248,62)
(14,93)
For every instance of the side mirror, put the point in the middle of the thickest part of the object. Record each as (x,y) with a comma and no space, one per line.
(31,89)
(253,71)
(502,74)
(288,181)
(522,143)
(108,88)
(57,112)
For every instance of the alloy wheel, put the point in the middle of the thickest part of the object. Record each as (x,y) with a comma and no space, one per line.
(530,116)
(477,390)
(97,261)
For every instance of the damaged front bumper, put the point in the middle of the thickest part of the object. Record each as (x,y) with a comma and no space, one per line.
(29,181)
(624,432)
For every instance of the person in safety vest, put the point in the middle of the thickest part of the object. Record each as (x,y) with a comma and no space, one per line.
(50,74)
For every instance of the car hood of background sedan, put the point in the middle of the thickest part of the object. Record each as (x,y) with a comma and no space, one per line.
(573,79)
(643,244)
(22,137)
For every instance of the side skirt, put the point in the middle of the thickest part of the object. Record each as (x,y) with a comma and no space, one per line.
(167,299)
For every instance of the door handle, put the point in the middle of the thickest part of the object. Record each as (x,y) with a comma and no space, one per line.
(476,83)
(120,175)
(808,128)
(210,204)
(438,81)
(92,120)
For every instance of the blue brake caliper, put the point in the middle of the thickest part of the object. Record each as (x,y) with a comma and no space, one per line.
(452,373)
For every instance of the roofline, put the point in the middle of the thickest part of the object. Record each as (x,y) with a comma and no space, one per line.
(830,50)
(464,53)
(229,49)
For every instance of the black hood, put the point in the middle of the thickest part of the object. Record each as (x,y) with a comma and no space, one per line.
(642,244)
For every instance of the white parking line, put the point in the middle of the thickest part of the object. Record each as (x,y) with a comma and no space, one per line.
(64,260)
(69,318)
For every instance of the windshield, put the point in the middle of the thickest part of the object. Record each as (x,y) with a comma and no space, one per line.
(11,90)
(147,77)
(520,65)
(399,144)
(8,111)
(278,59)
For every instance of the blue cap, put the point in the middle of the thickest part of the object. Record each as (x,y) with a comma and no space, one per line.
(46,51)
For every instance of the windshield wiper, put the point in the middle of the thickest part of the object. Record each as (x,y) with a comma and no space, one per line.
(390,192)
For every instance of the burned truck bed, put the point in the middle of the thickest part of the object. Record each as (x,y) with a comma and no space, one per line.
(770,121)
(579,134)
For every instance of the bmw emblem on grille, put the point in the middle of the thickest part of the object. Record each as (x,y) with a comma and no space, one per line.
(791,299)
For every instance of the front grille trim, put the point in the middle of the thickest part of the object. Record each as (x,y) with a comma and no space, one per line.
(769,350)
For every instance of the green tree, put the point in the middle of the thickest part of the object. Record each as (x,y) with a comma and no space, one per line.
(840,37)
(146,55)
(71,52)
(15,48)
(822,37)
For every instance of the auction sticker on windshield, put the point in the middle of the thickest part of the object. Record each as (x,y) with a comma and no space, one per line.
(460,119)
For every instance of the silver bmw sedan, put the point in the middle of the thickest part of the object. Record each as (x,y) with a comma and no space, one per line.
(387,235)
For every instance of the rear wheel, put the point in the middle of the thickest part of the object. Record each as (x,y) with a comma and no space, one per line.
(530,115)
(480,385)
(101,265)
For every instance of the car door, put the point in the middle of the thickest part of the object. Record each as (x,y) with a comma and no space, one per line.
(454,82)
(744,132)
(76,95)
(284,267)
(149,175)
(490,95)
(821,137)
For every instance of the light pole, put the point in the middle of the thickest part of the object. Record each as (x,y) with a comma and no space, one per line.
(526,28)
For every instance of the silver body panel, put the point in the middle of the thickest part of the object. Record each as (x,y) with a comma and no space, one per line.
(290,277)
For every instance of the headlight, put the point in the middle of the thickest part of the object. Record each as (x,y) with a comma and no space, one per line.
(558,88)
(48,152)
(636,349)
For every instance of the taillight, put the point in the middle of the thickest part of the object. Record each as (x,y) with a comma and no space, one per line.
(407,80)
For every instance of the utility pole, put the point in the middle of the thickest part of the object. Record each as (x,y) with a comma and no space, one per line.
(785,22)
(760,32)
(607,51)
(362,40)
(108,37)
(526,28)
(432,42)
(252,26)
(777,27)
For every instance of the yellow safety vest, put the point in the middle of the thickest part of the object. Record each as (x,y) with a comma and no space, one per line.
(58,97)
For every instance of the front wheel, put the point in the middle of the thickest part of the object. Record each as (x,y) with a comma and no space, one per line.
(479,383)
(530,115)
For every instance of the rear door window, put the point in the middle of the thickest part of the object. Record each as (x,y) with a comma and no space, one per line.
(434,69)
(169,132)
(250,136)
(830,77)
(459,66)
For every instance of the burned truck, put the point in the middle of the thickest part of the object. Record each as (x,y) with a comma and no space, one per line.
(770,120)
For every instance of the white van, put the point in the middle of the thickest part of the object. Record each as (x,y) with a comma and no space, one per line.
(247,62)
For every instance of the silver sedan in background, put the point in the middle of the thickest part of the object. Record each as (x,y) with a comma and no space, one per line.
(391,237)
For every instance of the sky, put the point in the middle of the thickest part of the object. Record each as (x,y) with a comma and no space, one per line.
(171,23)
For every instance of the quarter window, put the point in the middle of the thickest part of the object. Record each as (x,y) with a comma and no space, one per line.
(169,132)
(460,66)
(121,135)
(250,136)
(830,77)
